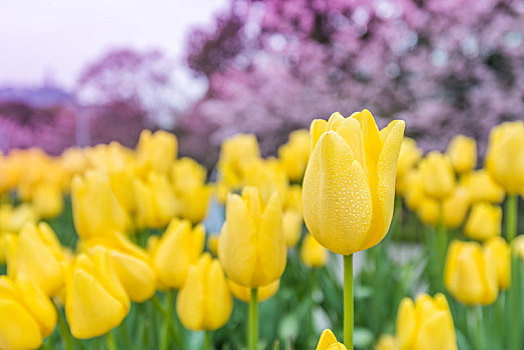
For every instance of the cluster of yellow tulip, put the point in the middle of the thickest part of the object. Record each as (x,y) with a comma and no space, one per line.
(139,218)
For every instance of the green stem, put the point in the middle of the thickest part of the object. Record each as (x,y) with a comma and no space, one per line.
(164,345)
(125,336)
(442,244)
(511,217)
(513,302)
(110,341)
(64,330)
(348,301)
(479,332)
(252,339)
(208,343)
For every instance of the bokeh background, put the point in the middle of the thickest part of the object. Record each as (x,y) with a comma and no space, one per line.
(90,72)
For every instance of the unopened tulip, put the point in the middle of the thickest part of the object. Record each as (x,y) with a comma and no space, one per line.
(26,315)
(293,198)
(387,342)
(294,154)
(95,301)
(155,201)
(244,293)
(156,151)
(48,201)
(267,176)
(328,341)
(468,275)
(12,219)
(349,184)
(408,157)
(437,176)
(429,211)
(234,152)
(484,221)
(497,252)
(414,194)
(462,152)
(505,156)
(179,247)
(34,256)
(252,247)
(426,324)
(292,225)
(455,207)
(482,188)
(96,210)
(204,302)
(312,253)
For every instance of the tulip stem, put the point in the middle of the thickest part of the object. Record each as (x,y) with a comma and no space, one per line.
(348,301)
(207,339)
(253,320)
(479,332)
(511,217)
(110,341)
(164,345)
(64,330)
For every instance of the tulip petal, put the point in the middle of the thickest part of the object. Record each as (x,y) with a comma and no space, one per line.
(317,128)
(18,330)
(219,303)
(190,300)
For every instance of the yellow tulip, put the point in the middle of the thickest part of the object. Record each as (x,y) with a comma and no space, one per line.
(414,194)
(212,243)
(267,176)
(328,341)
(156,151)
(429,211)
(95,301)
(193,205)
(244,293)
(155,201)
(293,198)
(234,153)
(13,219)
(312,253)
(498,253)
(387,342)
(35,256)
(462,152)
(10,169)
(482,188)
(179,247)
(349,184)
(437,176)
(96,210)
(408,157)
(505,156)
(484,221)
(517,245)
(426,324)
(294,154)
(468,275)
(292,226)
(252,247)
(455,207)
(47,200)
(26,315)
(204,302)
(187,174)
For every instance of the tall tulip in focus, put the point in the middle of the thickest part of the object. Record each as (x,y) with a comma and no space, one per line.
(252,247)
(349,189)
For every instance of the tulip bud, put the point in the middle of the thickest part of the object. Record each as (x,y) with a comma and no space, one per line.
(498,253)
(349,184)
(455,207)
(294,154)
(483,222)
(312,253)
(267,176)
(252,247)
(425,325)
(47,200)
(204,302)
(293,198)
(328,341)
(505,156)
(437,176)
(408,157)
(482,188)
(414,194)
(429,211)
(96,301)
(244,293)
(468,275)
(179,247)
(234,153)
(96,210)
(292,226)
(462,152)
(156,152)
(387,342)
(155,201)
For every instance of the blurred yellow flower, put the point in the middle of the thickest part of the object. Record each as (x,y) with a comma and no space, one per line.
(517,245)
(292,226)
(48,200)
(12,219)
(252,247)
(484,221)
(244,293)
(312,253)
(155,201)
(156,151)
(455,207)
(328,341)
(294,154)
(462,152)
(267,176)
(387,342)
(408,158)
(429,211)
(497,252)
(481,187)
(437,175)
(349,184)
(204,302)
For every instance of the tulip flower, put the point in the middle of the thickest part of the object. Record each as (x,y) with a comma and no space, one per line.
(155,201)
(312,253)
(484,221)
(414,194)
(96,210)
(481,187)
(498,252)
(244,293)
(429,211)
(468,275)
(455,207)
(518,246)
(462,152)
(387,342)
(35,256)
(292,226)
(267,176)
(328,341)
(26,315)
(426,324)
(212,243)
(12,219)
(156,151)
(294,154)
(408,157)
(293,198)
(95,301)
(204,302)
(179,247)
(437,176)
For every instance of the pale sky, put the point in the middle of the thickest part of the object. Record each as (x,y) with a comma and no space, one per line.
(56,38)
